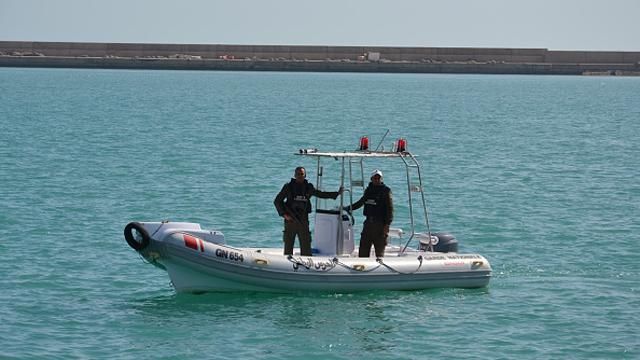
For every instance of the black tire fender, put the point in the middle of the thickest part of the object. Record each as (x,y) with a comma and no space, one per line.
(132,241)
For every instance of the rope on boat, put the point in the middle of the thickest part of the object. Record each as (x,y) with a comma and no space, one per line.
(338,262)
(145,260)
(295,261)
(335,261)
(381,262)
(159,227)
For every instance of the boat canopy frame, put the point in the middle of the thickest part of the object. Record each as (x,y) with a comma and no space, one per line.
(351,158)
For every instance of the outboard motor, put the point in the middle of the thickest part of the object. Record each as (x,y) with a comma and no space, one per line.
(441,242)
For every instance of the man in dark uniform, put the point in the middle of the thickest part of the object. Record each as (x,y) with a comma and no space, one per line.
(293,204)
(378,208)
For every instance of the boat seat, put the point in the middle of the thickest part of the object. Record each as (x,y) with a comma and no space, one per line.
(395,232)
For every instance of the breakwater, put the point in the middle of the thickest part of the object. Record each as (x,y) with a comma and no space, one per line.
(317,58)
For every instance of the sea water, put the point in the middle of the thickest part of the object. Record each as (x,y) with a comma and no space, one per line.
(540,174)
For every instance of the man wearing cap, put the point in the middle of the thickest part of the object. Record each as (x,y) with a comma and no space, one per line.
(292,203)
(378,208)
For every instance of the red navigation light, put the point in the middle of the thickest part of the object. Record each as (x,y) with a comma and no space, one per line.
(364,143)
(401,145)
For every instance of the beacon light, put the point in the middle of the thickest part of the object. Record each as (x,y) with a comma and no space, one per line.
(364,143)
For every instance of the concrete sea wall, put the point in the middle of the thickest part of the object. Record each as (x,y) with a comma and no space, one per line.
(317,58)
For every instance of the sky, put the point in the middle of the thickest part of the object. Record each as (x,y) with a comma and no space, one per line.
(605,25)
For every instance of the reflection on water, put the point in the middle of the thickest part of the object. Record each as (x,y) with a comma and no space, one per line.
(361,323)
(373,334)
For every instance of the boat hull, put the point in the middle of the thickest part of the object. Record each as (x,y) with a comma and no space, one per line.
(195,264)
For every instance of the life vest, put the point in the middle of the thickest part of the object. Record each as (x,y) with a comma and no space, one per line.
(298,197)
(375,202)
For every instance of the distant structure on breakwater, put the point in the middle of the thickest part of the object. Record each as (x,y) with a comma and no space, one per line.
(317,58)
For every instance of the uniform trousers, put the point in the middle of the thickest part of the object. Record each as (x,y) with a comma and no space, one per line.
(301,229)
(372,234)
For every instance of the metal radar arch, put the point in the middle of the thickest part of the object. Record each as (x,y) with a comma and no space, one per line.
(352,173)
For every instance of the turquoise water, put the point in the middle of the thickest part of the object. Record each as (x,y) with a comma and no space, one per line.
(538,174)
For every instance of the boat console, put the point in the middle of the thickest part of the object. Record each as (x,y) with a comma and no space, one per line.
(329,237)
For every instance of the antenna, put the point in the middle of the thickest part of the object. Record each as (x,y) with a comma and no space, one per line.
(383,137)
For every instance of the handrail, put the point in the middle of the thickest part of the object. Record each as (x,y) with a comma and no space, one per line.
(407,158)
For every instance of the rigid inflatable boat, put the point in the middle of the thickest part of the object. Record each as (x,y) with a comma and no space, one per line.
(200,260)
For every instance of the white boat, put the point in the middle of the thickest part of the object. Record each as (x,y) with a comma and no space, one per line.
(199,260)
